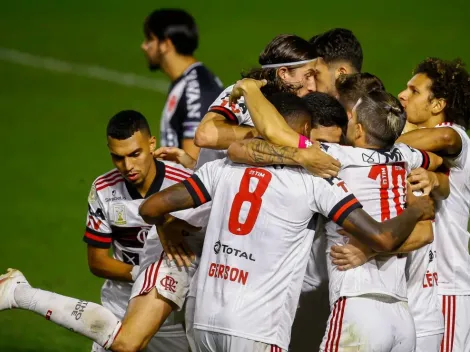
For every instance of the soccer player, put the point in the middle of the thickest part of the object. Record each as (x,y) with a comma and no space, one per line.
(339,52)
(254,255)
(113,221)
(437,101)
(171,37)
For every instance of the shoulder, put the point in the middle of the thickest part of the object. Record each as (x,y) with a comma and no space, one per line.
(107,180)
(175,172)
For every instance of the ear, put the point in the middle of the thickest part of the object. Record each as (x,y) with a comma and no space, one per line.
(349,113)
(306,129)
(438,106)
(341,70)
(282,73)
(165,46)
(359,131)
(152,143)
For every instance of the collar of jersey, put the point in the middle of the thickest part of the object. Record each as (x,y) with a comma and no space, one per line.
(154,187)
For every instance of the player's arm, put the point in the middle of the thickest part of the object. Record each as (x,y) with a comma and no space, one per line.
(267,120)
(216,132)
(355,253)
(102,265)
(389,235)
(260,152)
(445,141)
(174,198)
(190,148)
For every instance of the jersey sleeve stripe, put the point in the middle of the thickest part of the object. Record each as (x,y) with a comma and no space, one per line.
(197,190)
(229,115)
(176,179)
(341,210)
(177,171)
(426,159)
(107,176)
(108,179)
(97,241)
(105,185)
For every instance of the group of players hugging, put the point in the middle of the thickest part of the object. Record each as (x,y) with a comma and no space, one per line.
(305,173)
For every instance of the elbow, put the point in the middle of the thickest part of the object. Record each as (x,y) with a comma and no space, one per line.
(449,139)
(151,215)
(204,137)
(94,268)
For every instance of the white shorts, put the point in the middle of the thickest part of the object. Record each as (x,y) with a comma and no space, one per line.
(170,281)
(431,343)
(158,344)
(208,341)
(456,310)
(369,323)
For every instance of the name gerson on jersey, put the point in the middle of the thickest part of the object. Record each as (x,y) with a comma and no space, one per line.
(188,100)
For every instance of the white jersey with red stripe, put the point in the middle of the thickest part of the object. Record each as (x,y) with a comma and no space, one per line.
(378,179)
(257,244)
(237,112)
(452,216)
(113,221)
(421,275)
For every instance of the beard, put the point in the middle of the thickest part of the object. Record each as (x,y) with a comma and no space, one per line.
(154,67)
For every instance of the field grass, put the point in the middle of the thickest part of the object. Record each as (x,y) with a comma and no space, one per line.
(53,124)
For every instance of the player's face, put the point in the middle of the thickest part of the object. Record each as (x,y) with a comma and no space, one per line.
(331,134)
(133,156)
(415,99)
(302,77)
(150,47)
(324,77)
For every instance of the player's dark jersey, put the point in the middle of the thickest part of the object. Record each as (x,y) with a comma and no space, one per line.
(188,100)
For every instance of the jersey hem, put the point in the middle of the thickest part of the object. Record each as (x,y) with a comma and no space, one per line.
(371,295)
(242,335)
(444,292)
(430,333)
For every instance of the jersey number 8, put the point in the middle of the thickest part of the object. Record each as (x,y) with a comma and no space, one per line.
(254,198)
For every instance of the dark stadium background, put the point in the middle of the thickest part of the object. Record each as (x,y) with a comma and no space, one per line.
(53,124)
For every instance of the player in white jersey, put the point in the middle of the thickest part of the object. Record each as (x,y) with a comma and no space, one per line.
(171,37)
(437,101)
(113,220)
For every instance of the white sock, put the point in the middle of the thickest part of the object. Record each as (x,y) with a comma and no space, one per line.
(85,318)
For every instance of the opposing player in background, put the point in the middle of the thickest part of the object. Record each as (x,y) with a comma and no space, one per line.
(113,220)
(256,280)
(171,37)
(437,101)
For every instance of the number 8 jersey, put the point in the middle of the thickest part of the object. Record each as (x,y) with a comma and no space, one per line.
(257,244)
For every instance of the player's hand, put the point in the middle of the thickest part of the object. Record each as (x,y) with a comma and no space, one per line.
(424,203)
(241,87)
(171,235)
(317,162)
(423,180)
(351,255)
(176,155)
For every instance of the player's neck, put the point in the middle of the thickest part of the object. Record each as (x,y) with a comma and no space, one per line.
(432,122)
(145,186)
(175,65)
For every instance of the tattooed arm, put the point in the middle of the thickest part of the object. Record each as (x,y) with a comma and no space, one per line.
(174,198)
(260,152)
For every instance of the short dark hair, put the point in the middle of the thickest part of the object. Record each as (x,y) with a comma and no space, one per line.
(176,25)
(326,111)
(294,109)
(284,48)
(339,44)
(382,116)
(125,123)
(353,86)
(450,81)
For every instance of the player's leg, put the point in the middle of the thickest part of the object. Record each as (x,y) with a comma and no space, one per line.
(85,318)
(431,343)
(402,326)
(144,317)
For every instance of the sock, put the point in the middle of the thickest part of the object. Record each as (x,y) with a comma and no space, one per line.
(85,318)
